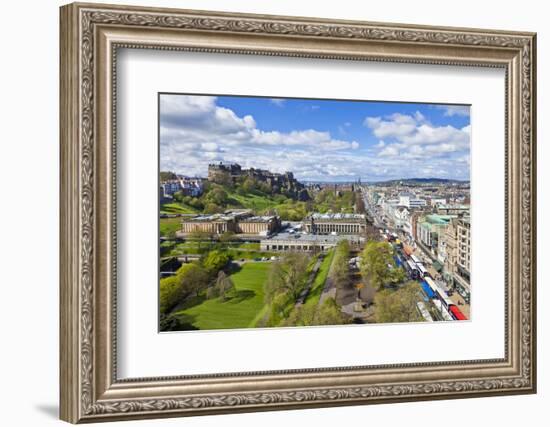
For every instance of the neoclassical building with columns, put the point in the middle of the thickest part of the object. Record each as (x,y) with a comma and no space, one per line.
(340,223)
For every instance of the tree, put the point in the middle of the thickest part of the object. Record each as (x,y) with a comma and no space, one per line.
(249,184)
(329,313)
(227,237)
(398,306)
(178,196)
(216,195)
(287,275)
(302,315)
(195,279)
(212,208)
(223,287)
(200,235)
(339,271)
(368,293)
(189,278)
(169,293)
(378,265)
(280,307)
(360,203)
(215,261)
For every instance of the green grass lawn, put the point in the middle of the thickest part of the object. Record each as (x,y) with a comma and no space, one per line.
(169,225)
(177,208)
(235,249)
(319,282)
(243,310)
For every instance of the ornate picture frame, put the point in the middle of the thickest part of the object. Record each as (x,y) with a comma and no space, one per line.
(90,37)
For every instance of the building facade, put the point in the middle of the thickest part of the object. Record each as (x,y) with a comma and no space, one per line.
(462,274)
(350,224)
(239,222)
(430,230)
(263,225)
(285,242)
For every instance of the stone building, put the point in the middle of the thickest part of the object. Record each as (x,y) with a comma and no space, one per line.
(351,224)
(430,228)
(263,225)
(237,221)
(456,246)
(289,242)
(462,276)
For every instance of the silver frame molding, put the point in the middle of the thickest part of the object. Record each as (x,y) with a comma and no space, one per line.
(90,37)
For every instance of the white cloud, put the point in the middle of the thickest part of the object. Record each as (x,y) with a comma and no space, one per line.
(389,151)
(279,102)
(455,110)
(420,148)
(411,133)
(195,131)
(395,126)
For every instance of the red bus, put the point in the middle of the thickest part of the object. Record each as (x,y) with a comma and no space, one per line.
(456,313)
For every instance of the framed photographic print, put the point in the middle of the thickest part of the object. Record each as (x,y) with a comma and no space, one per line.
(265,212)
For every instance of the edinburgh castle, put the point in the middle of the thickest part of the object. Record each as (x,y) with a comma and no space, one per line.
(279,182)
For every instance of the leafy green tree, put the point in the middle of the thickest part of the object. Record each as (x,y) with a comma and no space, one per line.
(196,203)
(212,208)
(168,322)
(339,271)
(178,196)
(398,306)
(217,195)
(200,236)
(190,278)
(330,314)
(195,279)
(287,275)
(215,261)
(169,294)
(280,307)
(378,265)
(302,315)
(227,237)
(249,184)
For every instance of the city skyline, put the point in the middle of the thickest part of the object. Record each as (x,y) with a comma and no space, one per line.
(317,140)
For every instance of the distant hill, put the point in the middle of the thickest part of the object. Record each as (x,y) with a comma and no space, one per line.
(421,181)
(167,175)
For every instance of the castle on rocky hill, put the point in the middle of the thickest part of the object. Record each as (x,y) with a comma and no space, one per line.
(279,182)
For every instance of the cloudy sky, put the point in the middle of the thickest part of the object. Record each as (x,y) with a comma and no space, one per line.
(318,140)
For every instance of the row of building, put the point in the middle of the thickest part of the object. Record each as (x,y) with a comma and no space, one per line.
(302,242)
(234,221)
(185,185)
(242,221)
(438,221)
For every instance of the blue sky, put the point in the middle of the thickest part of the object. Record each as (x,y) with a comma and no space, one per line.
(318,140)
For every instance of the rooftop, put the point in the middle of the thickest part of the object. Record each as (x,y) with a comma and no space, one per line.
(311,238)
(259,218)
(439,219)
(337,216)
